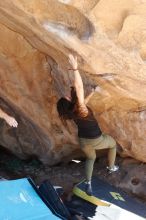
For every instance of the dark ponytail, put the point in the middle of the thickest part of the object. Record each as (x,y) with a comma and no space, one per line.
(65,107)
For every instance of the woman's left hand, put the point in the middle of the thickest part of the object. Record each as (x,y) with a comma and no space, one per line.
(73,61)
(11,121)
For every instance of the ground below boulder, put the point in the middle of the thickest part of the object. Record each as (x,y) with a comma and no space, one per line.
(131,177)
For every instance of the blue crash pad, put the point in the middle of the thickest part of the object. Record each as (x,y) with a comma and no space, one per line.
(19,200)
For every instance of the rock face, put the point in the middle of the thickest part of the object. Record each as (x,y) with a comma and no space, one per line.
(109,39)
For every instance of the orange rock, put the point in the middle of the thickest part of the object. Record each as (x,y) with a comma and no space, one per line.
(35,40)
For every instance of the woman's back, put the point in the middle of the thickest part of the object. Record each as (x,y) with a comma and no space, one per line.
(87,126)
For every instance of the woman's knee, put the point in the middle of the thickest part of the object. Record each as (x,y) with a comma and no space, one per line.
(89,152)
(92,157)
(112,143)
(89,163)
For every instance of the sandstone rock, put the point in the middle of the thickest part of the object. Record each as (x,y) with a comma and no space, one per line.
(134,179)
(35,39)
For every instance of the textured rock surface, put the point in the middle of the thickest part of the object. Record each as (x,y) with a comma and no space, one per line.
(35,40)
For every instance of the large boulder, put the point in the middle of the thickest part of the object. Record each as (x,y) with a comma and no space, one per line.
(109,39)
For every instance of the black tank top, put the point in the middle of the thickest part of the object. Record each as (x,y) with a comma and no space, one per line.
(88,127)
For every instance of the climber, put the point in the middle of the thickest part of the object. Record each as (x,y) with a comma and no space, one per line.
(10,120)
(90,136)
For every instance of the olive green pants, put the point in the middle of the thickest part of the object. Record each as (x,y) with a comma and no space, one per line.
(89,147)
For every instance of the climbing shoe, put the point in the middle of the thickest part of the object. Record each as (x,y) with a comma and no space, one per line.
(113,169)
(88,189)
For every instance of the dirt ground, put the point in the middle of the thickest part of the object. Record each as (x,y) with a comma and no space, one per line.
(128,178)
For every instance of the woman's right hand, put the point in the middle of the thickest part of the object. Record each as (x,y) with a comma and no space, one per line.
(73,61)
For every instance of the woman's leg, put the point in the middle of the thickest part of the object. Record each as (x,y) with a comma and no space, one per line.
(106,141)
(91,156)
(112,156)
(90,159)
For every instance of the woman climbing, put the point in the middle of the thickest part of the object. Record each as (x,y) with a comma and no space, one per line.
(90,136)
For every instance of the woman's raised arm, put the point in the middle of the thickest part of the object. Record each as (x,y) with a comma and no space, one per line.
(78,84)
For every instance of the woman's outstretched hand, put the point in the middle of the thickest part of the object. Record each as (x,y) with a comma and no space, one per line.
(73,61)
(11,121)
